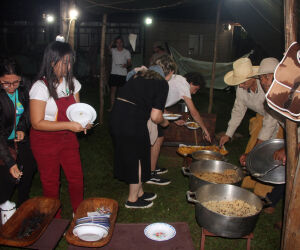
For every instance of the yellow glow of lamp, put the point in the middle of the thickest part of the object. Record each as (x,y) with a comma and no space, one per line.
(73,13)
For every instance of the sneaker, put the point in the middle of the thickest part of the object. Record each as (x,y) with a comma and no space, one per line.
(158,181)
(161,170)
(138,204)
(148,196)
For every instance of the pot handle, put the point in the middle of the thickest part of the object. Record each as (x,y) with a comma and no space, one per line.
(189,198)
(186,171)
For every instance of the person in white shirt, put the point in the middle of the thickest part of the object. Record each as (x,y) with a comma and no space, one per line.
(121,61)
(180,88)
(249,94)
(52,136)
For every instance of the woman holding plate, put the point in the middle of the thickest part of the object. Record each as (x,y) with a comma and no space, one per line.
(53,136)
(142,97)
(14,128)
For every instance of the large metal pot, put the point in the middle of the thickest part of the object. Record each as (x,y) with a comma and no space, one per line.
(209,166)
(221,225)
(207,155)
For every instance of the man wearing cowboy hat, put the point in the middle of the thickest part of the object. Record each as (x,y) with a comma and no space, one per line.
(249,94)
(265,76)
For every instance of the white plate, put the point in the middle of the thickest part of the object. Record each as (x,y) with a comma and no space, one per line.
(171,116)
(81,112)
(187,124)
(90,232)
(160,231)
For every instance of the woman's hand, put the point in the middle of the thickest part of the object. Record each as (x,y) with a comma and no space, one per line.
(164,123)
(223,140)
(180,122)
(280,155)
(137,69)
(19,136)
(15,172)
(75,127)
(206,135)
(89,126)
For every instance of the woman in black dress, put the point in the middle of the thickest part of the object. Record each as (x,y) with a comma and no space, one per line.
(141,98)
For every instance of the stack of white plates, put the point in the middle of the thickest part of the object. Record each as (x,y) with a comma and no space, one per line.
(92,228)
(90,231)
(81,113)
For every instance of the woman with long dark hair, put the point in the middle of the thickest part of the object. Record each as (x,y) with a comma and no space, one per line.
(53,136)
(14,128)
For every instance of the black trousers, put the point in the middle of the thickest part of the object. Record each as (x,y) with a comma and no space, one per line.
(8,183)
(276,194)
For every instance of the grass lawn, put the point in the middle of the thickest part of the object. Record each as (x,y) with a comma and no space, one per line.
(171,204)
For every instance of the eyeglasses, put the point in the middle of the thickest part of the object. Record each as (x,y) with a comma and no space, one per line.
(10,84)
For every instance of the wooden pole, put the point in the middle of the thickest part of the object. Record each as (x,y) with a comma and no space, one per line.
(71,28)
(102,68)
(291,222)
(211,90)
(63,18)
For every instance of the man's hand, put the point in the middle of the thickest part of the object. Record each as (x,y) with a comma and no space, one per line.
(223,140)
(243,159)
(280,155)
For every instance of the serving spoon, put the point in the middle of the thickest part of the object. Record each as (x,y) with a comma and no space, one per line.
(269,170)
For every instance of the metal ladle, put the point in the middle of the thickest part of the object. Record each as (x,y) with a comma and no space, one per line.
(269,170)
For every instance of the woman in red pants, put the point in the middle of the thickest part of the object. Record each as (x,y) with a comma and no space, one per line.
(53,136)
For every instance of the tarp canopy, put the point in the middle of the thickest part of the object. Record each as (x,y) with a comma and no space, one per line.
(186,65)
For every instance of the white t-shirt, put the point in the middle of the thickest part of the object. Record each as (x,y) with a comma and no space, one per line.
(39,91)
(178,88)
(119,58)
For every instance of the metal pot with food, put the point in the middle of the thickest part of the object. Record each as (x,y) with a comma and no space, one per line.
(204,172)
(226,210)
(207,155)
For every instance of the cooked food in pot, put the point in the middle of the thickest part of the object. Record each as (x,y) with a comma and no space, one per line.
(227,177)
(184,150)
(238,208)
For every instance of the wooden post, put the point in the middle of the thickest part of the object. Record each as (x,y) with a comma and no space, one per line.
(291,222)
(102,67)
(71,24)
(63,17)
(211,90)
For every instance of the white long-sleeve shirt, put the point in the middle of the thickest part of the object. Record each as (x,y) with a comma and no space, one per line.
(254,101)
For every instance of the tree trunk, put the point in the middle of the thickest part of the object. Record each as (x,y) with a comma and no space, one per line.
(102,68)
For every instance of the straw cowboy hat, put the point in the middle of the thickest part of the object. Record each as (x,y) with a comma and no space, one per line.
(242,70)
(267,66)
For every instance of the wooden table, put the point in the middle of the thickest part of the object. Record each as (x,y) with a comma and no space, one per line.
(175,135)
(131,237)
(52,235)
